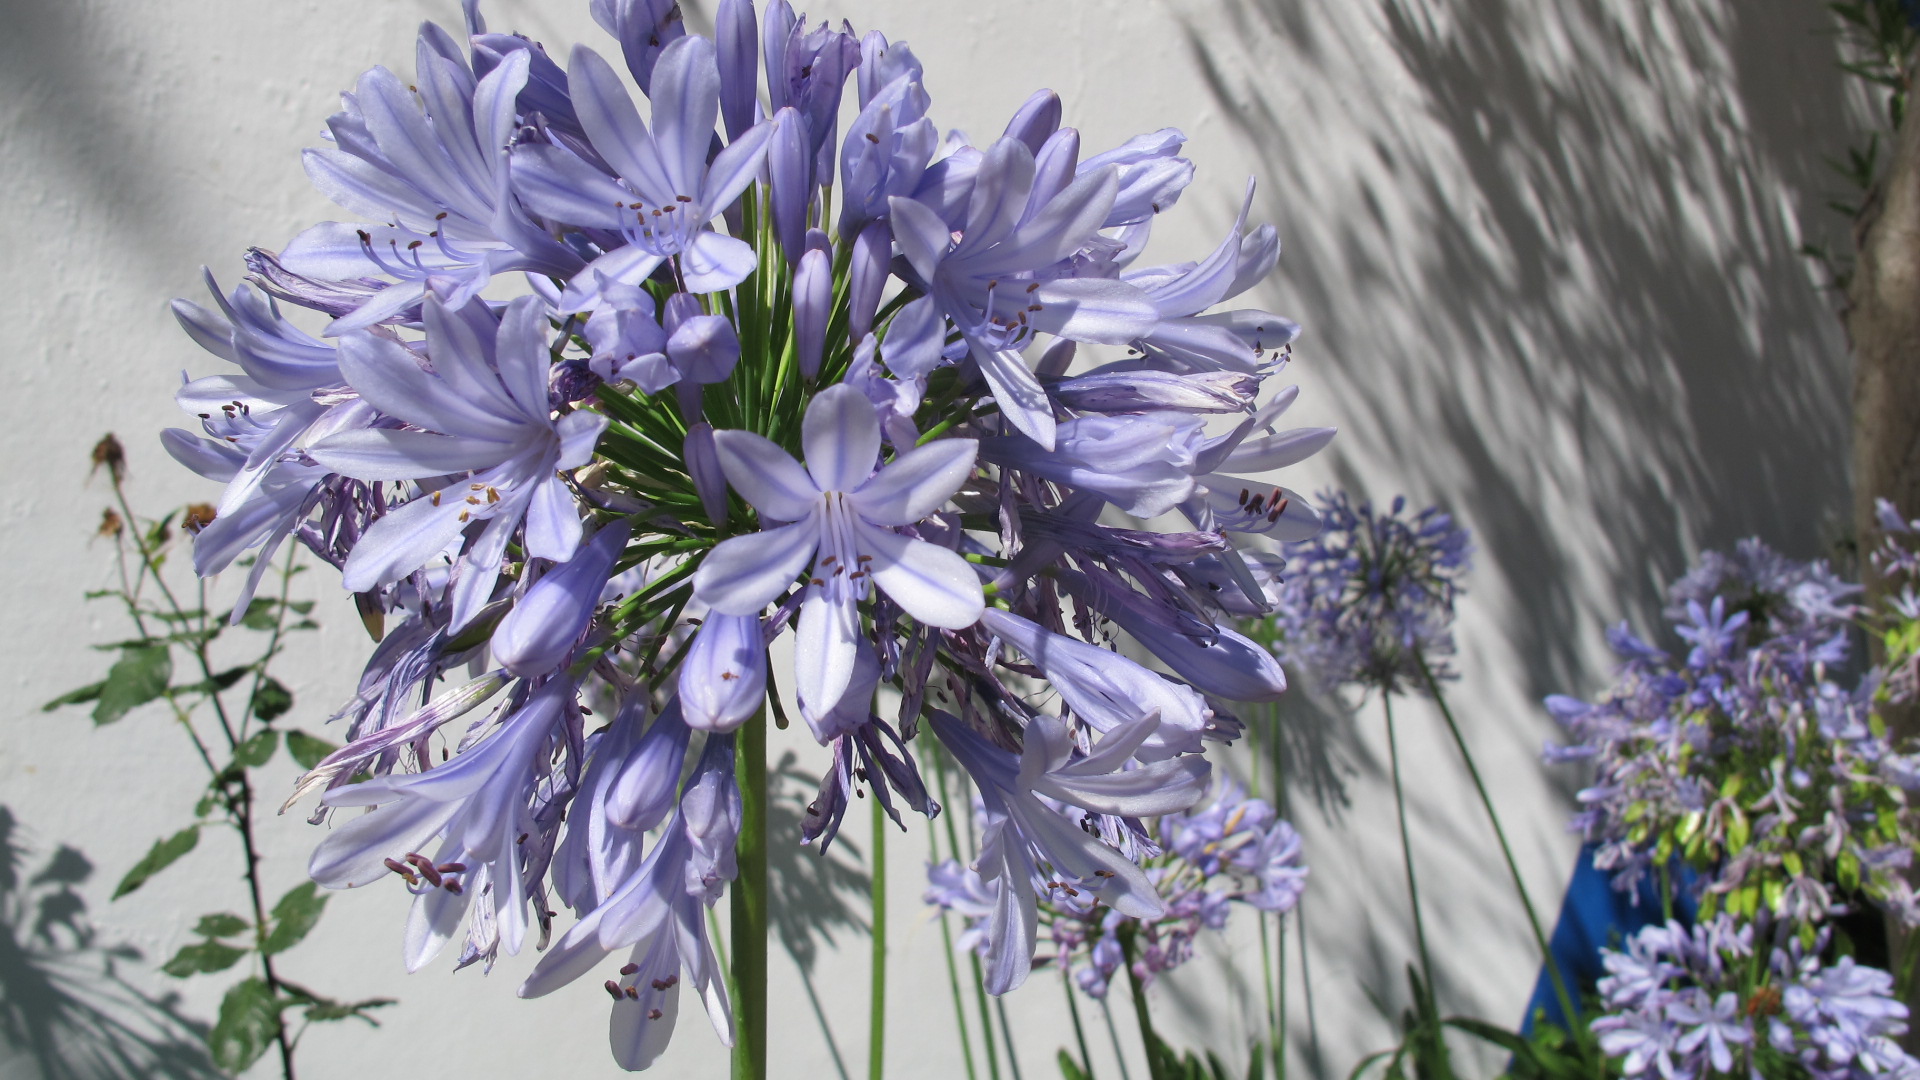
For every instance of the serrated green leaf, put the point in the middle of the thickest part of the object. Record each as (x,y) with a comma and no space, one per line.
(76,697)
(139,676)
(257,749)
(201,957)
(293,917)
(249,1021)
(271,700)
(158,858)
(225,924)
(307,750)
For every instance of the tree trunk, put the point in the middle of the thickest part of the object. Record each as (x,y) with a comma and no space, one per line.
(1883,321)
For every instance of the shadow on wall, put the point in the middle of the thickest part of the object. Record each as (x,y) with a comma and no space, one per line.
(1548,272)
(65,1011)
(1546,258)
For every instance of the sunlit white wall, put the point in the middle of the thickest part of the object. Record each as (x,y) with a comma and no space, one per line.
(1545,257)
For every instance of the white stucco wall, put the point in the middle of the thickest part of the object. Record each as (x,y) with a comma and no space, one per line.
(1544,255)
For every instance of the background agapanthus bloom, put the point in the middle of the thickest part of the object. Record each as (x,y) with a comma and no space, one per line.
(878,432)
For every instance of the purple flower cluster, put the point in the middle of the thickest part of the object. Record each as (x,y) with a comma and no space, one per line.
(1743,756)
(1371,598)
(1699,1002)
(718,412)
(1198,863)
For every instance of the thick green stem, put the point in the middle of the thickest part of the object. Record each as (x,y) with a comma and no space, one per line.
(1406,845)
(749,904)
(1500,834)
(877,1014)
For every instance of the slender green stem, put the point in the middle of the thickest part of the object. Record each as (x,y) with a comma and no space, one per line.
(959,1001)
(1406,844)
(749,904)
(237,790)
(877,1014)
(1006,1034)
(1079,1033)
(1113,1033)
(1148,1040)
(1500,834)
(973,959)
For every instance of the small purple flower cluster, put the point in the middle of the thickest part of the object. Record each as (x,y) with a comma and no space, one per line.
(1371,598)
(1199,862)
(1697,1003)
(1746,758)
(719,411)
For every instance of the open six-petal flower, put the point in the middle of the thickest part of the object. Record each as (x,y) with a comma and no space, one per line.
(840,509)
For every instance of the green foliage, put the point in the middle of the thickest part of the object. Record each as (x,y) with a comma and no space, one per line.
(306,750)
(1878,46)
(249,1022)
(163,854)
(225,924)
(271,701)
(236,739)
(201,957)
(1167,1063)
(139,676)
(257,749)
(293,917)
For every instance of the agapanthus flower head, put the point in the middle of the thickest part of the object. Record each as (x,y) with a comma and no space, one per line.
(1371,599)
(1232,850)
(1697,1002)
(714,413)
(1742,753)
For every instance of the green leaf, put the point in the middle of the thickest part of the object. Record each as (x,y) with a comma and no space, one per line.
(1069,1069)
(256,750)
(161,856)
(76,697)
(293,917)
(139,676)
(249,1021)
(307,750)
(261,615)
(271,700)
(225,924)
(347,1010)
(221,681)
(203,956)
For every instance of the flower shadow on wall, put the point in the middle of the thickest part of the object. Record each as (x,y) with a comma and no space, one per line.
(66,1013)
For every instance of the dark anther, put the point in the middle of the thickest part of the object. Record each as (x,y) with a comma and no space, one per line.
(653,1014)
(630,969)
(454,887)
(666,983)
(452,868)
(614,989)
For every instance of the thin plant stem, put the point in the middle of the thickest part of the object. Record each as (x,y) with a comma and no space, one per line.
(1148,1040)
(1113,1033)
(1406,843)
(1079,1032)
(236,788)
(973,959)
(749,905)
(946,939)
(959,1001)
(877,1014)
(1500,834)
(1006,1034)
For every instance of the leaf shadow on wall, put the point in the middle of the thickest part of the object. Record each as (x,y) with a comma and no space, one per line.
(1545,256)
(66,1013)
